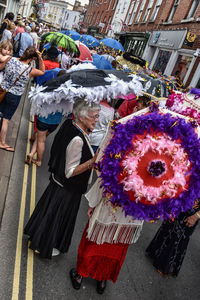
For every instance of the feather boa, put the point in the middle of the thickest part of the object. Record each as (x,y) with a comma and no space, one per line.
(62,98)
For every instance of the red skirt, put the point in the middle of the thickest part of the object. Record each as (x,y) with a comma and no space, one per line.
(101,262)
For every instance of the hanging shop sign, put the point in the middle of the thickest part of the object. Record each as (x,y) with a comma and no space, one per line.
(190,38)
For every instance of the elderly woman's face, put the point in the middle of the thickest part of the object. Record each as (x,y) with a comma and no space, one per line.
(90,121)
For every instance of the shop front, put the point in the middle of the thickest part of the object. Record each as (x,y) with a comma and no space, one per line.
(134,41)
(167,55)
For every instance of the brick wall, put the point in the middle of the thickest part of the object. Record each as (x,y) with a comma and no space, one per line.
(161,22)
(100,11)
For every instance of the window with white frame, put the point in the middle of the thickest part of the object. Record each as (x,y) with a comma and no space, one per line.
(128,17)
(134,11)
(193,9)
(174,8)
(149,7)
(140,11)
(155,11)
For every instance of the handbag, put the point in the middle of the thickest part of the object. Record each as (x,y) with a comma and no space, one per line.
(3,92)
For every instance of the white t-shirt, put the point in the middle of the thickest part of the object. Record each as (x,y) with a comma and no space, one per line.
(7,35)
(35,38)
(106,114)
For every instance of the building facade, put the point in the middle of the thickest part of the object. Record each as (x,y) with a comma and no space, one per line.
(71,20)
(25,8)
(117,24)
(166,33)
(54,13)
(99,15)
(8,6)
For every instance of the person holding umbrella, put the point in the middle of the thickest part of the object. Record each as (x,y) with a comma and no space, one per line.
(51,225)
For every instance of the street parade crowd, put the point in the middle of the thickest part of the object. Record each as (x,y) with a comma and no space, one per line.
(133,130)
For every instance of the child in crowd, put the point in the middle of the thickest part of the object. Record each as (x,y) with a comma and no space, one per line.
(6,50)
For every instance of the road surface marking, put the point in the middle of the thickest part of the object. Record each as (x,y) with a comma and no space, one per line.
(30,258)
(16,278)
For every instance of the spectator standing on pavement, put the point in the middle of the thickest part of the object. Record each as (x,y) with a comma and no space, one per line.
(17,74)
(7,20)
(25,40)
(52,223)
(8,32)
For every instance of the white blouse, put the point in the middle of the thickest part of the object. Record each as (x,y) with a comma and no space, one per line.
(74,153)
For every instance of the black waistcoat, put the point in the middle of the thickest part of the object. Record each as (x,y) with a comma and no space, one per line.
(58,157)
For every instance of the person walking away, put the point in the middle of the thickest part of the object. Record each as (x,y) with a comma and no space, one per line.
(19,28)
(169,246)
(52,223)
(7,20)
(50,60)
(8,33)
(44,126)
(17,74)
(25,40)
(34,35)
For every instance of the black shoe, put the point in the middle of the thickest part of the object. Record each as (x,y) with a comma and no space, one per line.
(76,279)
(101,285)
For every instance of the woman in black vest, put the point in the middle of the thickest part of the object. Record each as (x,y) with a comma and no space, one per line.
(52,223)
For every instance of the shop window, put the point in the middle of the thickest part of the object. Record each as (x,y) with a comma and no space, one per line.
(155,11)
(140,11)
(161,61)
(193,9)
(182,66)
(148,10)
(174,8)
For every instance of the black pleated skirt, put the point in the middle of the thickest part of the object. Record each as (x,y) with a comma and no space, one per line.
(53,220)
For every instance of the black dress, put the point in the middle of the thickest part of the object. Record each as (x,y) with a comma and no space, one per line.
(168,247)
(53,220)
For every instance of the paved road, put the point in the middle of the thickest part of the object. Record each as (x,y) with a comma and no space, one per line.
(25,276)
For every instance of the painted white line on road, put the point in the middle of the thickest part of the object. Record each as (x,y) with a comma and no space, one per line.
(17,268)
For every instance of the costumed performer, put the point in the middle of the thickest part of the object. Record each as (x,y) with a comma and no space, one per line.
(106,238)
(105,241)
(169,246)
(52,223)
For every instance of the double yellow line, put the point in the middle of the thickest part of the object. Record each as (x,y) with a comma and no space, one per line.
(18,255)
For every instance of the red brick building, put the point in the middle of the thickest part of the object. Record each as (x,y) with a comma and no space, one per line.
(167,34)
(99,15)
(164,32)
